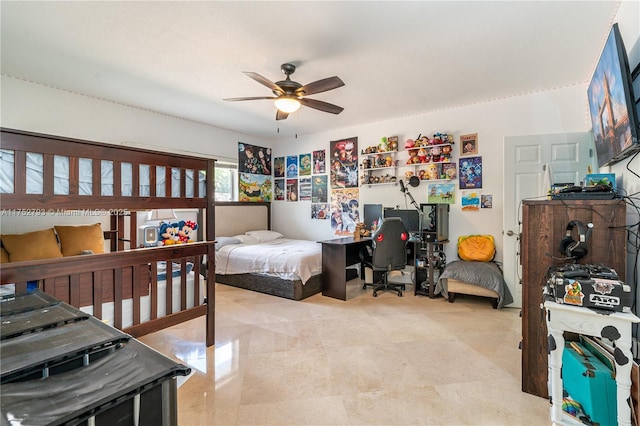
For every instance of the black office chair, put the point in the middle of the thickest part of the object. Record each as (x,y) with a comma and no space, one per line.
(388,253)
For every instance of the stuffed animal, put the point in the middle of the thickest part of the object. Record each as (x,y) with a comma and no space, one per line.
(446,152)
(186,230)
(169,233)
(413,157)
(436,152)
(432,171)
(422,155)
(410,143)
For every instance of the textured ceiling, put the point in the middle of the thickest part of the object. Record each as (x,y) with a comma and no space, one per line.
(396,58)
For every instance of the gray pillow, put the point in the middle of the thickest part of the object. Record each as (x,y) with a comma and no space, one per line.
(224,241)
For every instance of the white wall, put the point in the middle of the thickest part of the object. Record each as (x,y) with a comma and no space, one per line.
(558,111)
(42,109)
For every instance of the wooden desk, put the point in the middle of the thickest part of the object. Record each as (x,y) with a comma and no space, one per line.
(337,254)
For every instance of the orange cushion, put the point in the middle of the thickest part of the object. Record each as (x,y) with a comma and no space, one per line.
(4,256)
(478,248)
(76,239)
(32,245)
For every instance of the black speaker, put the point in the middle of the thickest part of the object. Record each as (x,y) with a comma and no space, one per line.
(435,222)
(572,248)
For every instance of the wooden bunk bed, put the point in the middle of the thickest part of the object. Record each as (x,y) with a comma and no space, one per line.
(136,179)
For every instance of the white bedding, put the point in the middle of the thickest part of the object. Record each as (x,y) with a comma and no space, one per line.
(283,257)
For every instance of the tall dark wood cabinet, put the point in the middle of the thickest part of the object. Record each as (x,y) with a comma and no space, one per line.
(544,225)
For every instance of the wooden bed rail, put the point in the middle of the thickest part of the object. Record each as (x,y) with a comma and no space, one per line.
(114,277)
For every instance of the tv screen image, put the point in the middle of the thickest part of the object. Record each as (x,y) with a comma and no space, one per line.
(611,105)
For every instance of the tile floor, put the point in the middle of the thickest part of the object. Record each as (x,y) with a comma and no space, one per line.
(368,361)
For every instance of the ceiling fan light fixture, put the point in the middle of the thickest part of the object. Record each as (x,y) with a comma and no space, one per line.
(287,104)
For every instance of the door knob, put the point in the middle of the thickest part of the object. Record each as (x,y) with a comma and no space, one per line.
(510,233)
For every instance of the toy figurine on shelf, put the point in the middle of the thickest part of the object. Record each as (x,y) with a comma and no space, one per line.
(423,157)
(413,157)
(392,143)
(446,153)
(432,171)
(436,152)
(410,143)
(424,141)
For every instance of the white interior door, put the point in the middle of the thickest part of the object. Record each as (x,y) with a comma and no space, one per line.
(531,164)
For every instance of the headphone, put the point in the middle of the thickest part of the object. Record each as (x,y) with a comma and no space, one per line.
(572,248)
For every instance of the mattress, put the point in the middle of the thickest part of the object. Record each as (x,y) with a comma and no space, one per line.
(35,177)
(145,302)
(282,258)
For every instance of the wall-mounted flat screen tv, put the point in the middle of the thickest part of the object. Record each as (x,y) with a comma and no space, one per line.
(611,103)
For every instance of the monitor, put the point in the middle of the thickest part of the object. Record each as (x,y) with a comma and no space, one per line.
(372,216)
(410,218)
(612,104)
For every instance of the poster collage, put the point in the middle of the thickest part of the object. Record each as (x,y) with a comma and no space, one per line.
(306,177)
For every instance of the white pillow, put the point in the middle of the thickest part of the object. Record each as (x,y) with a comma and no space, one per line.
(264,235)
(223,241)
(246,239)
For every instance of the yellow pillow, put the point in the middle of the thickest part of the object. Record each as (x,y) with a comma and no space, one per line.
(32,245)
(4,256)
(76,239)
(478,248)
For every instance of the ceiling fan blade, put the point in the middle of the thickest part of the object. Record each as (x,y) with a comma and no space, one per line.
(322,106)
(252,98)
(265,81)
(281,115)
(320,86)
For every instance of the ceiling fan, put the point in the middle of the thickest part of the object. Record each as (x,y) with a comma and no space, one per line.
(291,94)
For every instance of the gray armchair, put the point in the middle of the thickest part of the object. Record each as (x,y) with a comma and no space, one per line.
(388,253)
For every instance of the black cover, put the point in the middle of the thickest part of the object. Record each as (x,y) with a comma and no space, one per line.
(30,321)
(29,354)
(84,392)
(93,369)
(26,302)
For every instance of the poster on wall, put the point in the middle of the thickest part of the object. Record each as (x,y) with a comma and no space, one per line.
(441,193)
(254,187)
(469,144)
(292,166)
(470,172)
(470,201)
(319,162)
(278,167)
(344,211)
(320,211)
(279,189)
(304,189)
(344,163)
(304,167)
(486,201)
(319,189)
(254,159)
(292,189)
